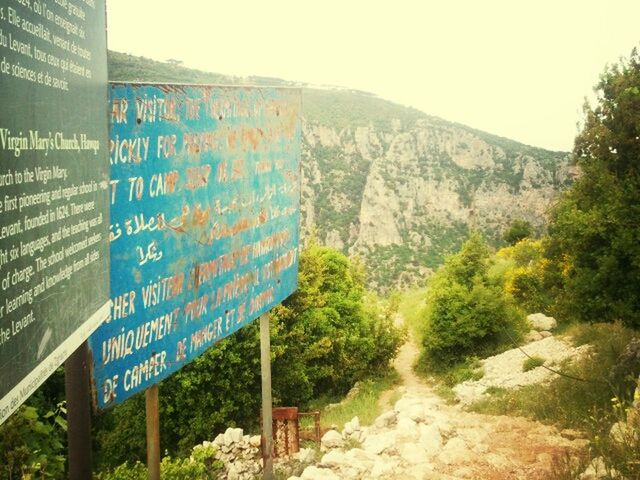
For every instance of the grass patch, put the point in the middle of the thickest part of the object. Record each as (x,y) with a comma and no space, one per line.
(412,309)
(532,362)
(364,403)
(445,378)
(468,369)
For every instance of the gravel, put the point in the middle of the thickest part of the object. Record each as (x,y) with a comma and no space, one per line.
(505,370)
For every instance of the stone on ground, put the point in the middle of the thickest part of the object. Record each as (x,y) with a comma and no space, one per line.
(331,439)
(539,321)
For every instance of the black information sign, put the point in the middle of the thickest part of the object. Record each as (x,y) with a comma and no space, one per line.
(54,176)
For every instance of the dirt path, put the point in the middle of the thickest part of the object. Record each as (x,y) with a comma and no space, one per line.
(446,442)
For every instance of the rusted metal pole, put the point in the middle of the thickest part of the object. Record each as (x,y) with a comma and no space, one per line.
(153,432)
(76,385)
(265,369)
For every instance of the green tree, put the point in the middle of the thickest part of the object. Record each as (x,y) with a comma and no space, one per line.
(595,228)
(518,230)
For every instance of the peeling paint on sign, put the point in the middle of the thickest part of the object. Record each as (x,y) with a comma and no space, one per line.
(205,207)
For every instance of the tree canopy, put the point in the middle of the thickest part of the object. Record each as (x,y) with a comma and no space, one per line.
(595,228)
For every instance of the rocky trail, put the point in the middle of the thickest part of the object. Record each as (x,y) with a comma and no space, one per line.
(424,438)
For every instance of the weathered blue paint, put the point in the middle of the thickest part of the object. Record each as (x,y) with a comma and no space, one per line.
(205,197)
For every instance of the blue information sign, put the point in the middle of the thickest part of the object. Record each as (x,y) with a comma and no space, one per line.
(205,207)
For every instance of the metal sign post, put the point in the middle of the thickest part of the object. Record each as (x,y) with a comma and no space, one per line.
(153,432)
(265,369)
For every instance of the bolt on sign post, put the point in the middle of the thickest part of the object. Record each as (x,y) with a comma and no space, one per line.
(54,179)
(205,208)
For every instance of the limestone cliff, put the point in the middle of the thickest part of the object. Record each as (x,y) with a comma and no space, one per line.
(404,195)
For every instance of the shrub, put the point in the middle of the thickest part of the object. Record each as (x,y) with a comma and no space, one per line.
(466,313)
(202,465)
(31,444)
(518,230)
(526,275)
(531,363)
(595,226)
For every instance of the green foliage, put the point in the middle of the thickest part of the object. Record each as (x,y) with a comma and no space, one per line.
(595,228)
(31,443)
(202,465)
(467,314)
(330,337)
(527,276)
(324,338)
(411,308)
(532,362)
(518,230)
(363,402)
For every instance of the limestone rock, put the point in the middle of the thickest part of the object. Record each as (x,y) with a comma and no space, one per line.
(305,455)
(455,451)
(255,441)
(382,468)
(623,433)
(387,419)
(430,438)
(597,469)
(416,413)
(331,439)
(406,430)
(539,321)
(333,458)
(413,453)
(352,426)
(315,473)
(233,435)
(378,443)
(532,336)
(362,458)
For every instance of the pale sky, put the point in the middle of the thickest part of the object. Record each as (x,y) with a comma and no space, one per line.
(519,69)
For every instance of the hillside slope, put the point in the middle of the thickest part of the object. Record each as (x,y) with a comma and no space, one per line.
(389,183)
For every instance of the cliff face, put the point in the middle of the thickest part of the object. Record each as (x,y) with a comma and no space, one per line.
(403,196)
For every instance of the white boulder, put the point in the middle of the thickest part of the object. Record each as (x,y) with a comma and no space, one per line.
(378,443)
(331,439)
(539,321)
(533,336)
(233,435)
(315,473)
(387,419)
(352,426)
(455,451)
(334,458)
(430,438)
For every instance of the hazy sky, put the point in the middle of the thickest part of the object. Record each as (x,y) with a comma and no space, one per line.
(520,69)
